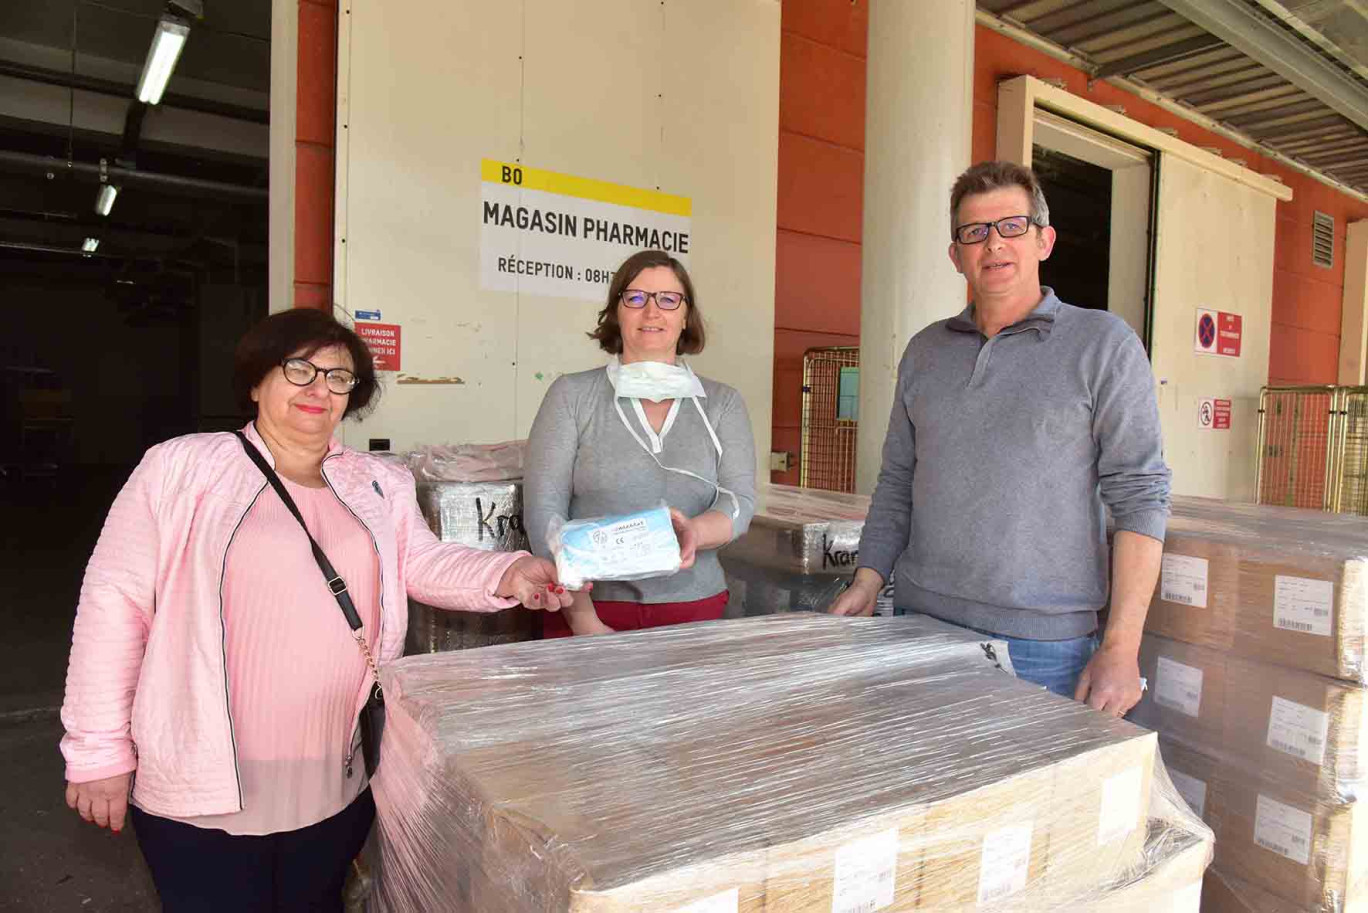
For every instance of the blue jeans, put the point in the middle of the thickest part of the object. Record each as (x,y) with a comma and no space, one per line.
(1052,664)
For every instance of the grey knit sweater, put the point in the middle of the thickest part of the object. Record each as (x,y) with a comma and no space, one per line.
(582,462)
(1000,457)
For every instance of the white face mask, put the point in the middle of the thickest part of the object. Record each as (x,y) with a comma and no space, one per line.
(653,380)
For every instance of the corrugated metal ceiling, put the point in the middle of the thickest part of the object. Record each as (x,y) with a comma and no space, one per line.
(1156,47)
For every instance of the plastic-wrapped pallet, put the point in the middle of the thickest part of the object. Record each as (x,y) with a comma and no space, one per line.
(799,553)
(1276,584)
(781,764)
(481,514)
(1222,893)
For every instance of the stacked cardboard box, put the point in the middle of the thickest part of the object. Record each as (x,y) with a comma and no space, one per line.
(1255,660)
(799,553)
(781,764)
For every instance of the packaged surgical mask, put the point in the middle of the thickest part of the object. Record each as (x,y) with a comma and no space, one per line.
(629,547)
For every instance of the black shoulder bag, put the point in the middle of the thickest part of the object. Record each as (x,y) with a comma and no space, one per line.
(373,713)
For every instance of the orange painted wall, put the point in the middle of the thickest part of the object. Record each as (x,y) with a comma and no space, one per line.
(315,142)
(1306,298)
(821,190)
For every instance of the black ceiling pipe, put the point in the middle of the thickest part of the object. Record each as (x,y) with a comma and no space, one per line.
(128,176)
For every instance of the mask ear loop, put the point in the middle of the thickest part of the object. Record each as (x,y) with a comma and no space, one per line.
(736,504)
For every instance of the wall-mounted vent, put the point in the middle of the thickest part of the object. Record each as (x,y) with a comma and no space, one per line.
(1323,240)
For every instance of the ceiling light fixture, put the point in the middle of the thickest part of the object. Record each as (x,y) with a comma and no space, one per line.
(90,245)
(105,201)
(167,43)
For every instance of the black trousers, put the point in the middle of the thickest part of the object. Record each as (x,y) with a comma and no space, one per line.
(197,870)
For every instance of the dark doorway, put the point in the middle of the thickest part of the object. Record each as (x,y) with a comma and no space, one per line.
(1080,198)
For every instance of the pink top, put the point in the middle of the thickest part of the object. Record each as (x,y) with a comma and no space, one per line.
(294,669)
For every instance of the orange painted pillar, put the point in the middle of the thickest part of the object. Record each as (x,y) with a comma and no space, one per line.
(315,153)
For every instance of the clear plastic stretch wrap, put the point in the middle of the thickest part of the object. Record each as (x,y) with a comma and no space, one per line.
(468,462)
(1272,758)
(1298,728)
(1223,893)
(1277,584)
(800,550)
(782,764)
(483,515)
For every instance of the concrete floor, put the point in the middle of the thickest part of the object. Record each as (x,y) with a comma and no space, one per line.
(52,860)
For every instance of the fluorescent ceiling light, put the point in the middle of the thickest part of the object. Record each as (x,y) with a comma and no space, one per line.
(90,245)
(105,202)
(167,43)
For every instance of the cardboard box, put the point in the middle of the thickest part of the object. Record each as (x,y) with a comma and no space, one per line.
(1307,732)
(1279,585)
(1310,853)
(783,764)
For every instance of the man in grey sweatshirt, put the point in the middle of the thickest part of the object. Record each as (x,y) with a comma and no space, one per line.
(1017,424)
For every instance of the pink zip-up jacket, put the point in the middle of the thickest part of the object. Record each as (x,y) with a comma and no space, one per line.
(146,686)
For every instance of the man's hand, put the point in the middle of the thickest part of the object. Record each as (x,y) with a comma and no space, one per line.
(532,581)
(101,802)
(860,596)
(1111,680)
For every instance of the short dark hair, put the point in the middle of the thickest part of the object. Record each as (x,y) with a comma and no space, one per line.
(989,176)
(303,331)
(609,333)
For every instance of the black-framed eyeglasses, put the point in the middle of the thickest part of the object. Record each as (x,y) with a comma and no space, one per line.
(666,301)
(1010,227)
(301,372)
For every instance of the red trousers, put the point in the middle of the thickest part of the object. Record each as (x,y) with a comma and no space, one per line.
(632,616)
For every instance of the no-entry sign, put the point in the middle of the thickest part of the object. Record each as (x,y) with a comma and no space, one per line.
(1218,333)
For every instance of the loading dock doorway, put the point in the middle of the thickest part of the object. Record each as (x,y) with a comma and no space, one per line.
(1100,192)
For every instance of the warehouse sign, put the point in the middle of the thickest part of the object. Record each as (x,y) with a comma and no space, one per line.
(546,233)
(1213,414)
(1218,333)
(384,342)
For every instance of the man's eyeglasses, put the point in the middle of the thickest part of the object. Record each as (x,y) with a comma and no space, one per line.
(1010,227)
(301,372)
(666,301)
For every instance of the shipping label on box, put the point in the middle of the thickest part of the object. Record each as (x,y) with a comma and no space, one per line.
(1183,579)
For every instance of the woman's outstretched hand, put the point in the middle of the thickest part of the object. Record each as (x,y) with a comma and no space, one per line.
(686,530)
(532,581)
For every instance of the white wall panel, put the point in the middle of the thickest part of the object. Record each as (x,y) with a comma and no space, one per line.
(679,97)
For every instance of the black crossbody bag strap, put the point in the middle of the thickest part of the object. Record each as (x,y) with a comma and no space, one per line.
(372,715)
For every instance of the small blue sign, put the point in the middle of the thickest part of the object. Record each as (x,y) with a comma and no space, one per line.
(367,315)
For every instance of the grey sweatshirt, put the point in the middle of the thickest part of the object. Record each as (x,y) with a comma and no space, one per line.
(582,463)
(1000,456)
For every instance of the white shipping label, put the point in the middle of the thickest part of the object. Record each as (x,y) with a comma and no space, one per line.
(1183,580)
(866,870)
(1120,805)
(1302,604)
(1283,829)
(1191,789)
(1298,730)
(1006,862)
(726,902)
(1179,686)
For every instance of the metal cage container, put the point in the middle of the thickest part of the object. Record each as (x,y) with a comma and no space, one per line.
(829,418)
(1313,448)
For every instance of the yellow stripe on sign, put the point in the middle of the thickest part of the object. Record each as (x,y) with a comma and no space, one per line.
(514,175)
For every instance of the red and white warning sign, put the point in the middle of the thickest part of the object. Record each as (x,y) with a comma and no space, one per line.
(383,339)
(1218,333)
(1213,414)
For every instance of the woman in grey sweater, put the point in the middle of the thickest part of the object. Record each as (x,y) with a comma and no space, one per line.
(642,431)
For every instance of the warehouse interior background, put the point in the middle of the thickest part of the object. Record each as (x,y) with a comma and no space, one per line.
(325,153)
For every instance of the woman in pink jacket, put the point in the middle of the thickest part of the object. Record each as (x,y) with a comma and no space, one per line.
(213,672)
